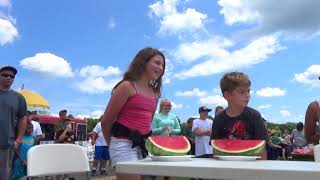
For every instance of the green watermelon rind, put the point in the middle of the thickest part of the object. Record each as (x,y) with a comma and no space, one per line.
(158,150)
(252,151)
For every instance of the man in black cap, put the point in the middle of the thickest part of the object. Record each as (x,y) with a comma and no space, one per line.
(13,121)
(202,129)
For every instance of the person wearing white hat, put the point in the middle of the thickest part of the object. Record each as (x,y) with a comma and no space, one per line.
(202,129)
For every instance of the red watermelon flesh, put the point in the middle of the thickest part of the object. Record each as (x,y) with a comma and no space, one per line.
(174,142)
(238,147)
(168,145)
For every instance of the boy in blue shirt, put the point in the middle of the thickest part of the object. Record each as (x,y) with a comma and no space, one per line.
(20,163)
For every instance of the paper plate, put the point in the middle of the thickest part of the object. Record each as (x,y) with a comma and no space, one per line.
(238,158)
(171,158)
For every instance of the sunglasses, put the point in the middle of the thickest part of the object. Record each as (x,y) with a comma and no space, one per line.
(166,105)
(8,75)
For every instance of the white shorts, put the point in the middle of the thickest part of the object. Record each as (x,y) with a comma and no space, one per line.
(121,151)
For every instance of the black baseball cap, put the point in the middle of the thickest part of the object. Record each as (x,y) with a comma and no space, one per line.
(63,111)
(10,68)
(204,108)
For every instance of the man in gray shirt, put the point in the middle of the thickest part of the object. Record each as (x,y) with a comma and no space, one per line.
(13,121)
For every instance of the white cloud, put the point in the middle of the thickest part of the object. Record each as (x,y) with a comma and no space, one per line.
(172,21)
(285,113)
(8,32)
(309,76)
(96,85)
(255,52)
(176,106)
(189,20)
(216,90)
(266,106)
(293,16)
(214,100)
(5,3)
(48,64)
(111,23)
(204,98)
(193,92)
(213,48)
(97,79)
(95,114)
(164,8)
(236,11)
(82,116)
(98,71)
(168,72)
(271,92)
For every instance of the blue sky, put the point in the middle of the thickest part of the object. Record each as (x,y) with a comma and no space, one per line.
(73,52)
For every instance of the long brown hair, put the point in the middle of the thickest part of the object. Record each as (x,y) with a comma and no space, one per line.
(137,67)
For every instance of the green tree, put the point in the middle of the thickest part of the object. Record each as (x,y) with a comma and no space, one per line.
(281,127)
(91,123)
(70,116)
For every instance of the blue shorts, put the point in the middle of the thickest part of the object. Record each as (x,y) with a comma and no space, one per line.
(101,153)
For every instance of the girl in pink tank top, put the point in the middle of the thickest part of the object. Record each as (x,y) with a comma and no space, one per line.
(127,118)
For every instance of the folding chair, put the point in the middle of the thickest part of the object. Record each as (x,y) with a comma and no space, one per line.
(57,159)
(316,153)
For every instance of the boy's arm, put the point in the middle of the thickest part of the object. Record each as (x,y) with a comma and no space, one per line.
(261,133)
(18,153)
(215,129)
(197,131)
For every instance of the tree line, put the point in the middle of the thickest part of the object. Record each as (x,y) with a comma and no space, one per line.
(91,123)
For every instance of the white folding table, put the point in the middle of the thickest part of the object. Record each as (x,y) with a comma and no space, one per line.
(210,168)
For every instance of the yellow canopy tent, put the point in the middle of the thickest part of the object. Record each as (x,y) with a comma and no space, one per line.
(33,99)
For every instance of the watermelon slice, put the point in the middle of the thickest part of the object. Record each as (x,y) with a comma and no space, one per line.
(167,145)
(238,147)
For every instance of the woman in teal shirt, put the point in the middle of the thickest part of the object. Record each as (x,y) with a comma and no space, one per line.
(165,123)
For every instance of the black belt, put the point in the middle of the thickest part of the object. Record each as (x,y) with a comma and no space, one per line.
(119,130)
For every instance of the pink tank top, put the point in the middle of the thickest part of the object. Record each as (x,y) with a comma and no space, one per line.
(137,113)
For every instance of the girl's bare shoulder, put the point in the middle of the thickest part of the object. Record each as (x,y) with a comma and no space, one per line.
(125,86)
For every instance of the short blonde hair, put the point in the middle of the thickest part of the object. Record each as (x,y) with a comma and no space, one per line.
(162,101)
(230,81)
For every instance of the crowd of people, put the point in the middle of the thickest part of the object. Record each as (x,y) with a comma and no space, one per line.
(130,117)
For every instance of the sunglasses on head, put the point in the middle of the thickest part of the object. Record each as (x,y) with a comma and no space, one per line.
(8,75)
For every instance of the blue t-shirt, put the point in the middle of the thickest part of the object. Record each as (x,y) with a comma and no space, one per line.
(19,169)
(26,144)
